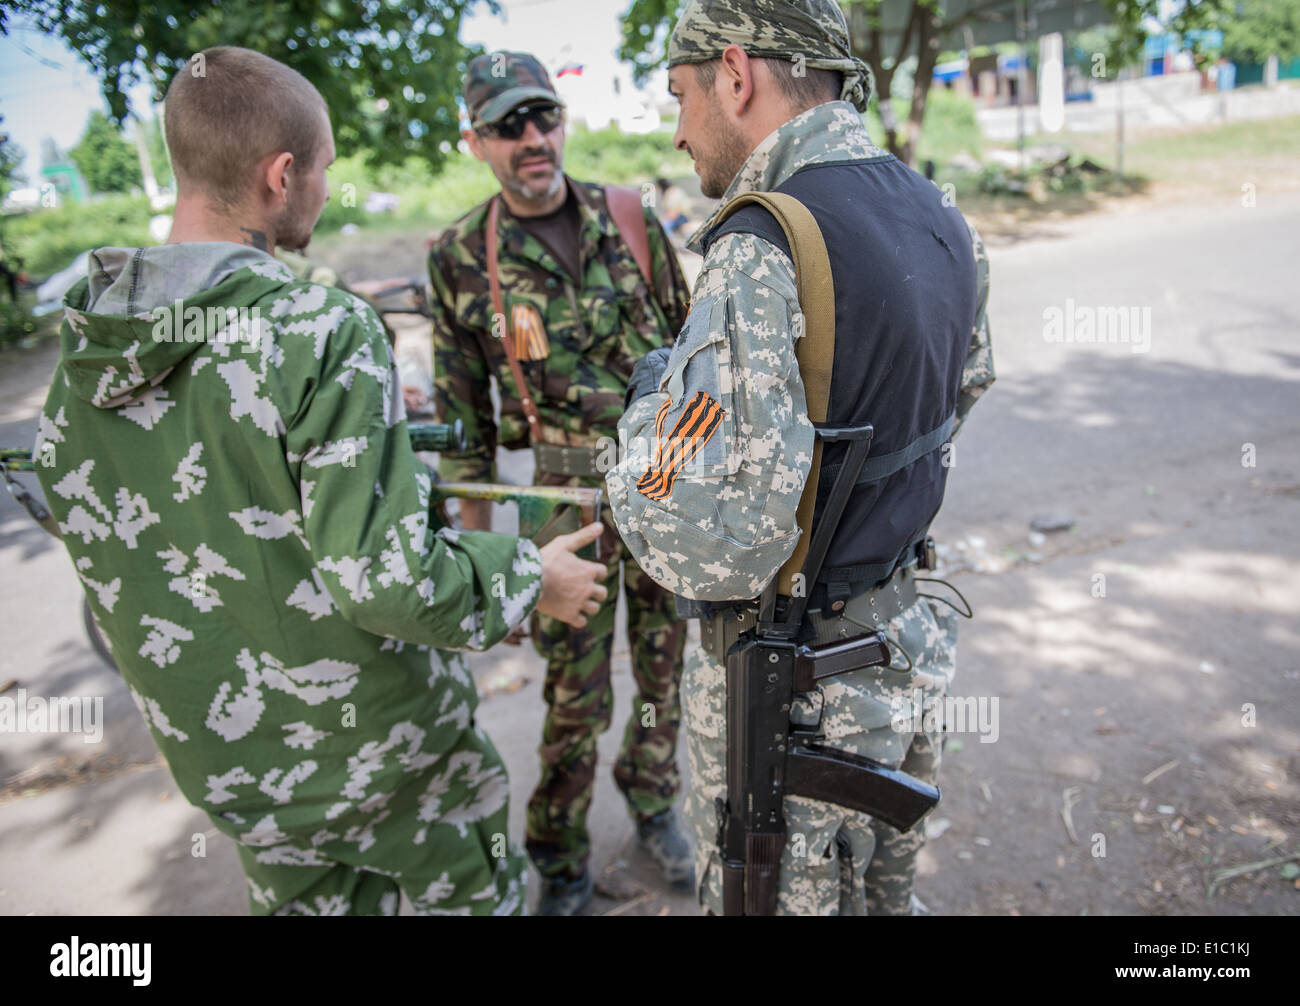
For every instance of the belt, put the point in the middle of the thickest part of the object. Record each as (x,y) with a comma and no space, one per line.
(855,616)
(865,612)
(557,459)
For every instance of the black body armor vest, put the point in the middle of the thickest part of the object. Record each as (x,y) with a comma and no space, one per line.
(905,304)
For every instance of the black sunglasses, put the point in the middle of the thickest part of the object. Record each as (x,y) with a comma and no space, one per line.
(544,117)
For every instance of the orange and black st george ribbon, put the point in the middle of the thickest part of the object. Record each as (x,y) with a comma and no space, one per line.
(675,451)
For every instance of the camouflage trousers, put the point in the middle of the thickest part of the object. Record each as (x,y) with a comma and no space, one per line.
(836,861)
(579,708)
(459,862)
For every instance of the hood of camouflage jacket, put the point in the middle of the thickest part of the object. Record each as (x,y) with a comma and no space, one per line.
(141,311)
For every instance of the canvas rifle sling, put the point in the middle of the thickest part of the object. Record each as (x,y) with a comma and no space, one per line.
(815,351)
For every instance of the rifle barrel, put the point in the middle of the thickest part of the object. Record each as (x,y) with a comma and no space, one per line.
(498,492)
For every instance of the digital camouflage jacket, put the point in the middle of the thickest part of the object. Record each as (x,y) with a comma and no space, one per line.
(593,334)
(714,462)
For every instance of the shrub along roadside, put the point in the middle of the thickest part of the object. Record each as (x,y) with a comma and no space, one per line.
(48,240)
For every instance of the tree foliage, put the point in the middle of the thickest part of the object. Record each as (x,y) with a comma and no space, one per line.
(1127,25)
(645,35)
(929,29)
(1257,29)
(356,52)
(105,159)
(1132,22)
(11,160)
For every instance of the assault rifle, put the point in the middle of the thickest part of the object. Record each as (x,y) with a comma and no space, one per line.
(768,756)
(550,509)
(544,511)
(424,437)
(541,507)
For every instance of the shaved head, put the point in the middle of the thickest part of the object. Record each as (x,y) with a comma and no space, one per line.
(230,108)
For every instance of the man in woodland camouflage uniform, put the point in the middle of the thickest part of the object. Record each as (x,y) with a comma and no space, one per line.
(580,314)
(225,450)
(770,99)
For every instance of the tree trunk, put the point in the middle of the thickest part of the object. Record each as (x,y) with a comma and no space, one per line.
(927,57)
(864,24)
(885,107)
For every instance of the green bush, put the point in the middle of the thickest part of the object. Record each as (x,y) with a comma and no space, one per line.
(15,322)
(462,185)
(48,240)
(423,198)
(610,156)
(950,127)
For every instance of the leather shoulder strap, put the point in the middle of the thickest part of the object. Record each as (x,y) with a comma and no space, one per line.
(815,350)
(625,207)
(498,306)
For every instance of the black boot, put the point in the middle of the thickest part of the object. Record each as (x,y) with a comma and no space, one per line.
(663,838)
(565,895)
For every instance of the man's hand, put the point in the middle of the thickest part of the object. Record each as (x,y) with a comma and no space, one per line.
(571,587)
(647,373)
(417,402)
(475,515)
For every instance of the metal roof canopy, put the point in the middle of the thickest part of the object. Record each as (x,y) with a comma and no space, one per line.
(992,21)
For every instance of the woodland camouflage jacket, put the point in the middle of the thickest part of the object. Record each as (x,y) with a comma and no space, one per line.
(594,333)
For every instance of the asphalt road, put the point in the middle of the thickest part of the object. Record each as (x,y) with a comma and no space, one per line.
(1145,664)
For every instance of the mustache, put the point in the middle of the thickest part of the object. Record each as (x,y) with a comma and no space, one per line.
(528,155)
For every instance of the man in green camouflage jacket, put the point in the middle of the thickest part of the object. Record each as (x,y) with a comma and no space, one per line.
(719,444)
(225,450)
(581,315)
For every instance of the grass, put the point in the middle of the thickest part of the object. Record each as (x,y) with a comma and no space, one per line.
(1168,156)
(1216,158)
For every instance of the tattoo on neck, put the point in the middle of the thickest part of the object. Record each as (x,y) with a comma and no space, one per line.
(256,238)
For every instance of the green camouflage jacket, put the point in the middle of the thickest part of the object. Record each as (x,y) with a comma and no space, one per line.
(232,477)
(720,519)
(596,334)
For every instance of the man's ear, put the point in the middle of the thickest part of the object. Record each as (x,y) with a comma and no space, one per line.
(736,79)
(276,176)
(475,143)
